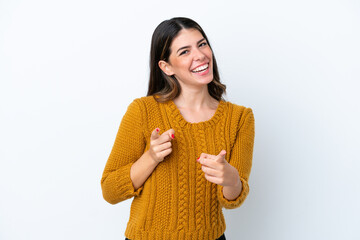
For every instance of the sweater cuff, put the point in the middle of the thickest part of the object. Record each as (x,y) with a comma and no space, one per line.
(128,188)
(117,186)
(231,204)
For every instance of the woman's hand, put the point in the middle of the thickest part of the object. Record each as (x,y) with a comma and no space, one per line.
(217,170)
(160,145)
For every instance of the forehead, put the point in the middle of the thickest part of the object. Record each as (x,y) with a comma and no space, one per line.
(186,37)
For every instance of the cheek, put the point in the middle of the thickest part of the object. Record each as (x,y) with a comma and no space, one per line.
(209,54)
(183,65)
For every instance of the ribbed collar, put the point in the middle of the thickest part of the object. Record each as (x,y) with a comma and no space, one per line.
(175,115)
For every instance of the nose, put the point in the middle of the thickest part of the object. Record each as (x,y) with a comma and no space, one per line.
(198,55)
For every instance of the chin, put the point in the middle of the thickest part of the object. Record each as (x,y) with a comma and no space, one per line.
(209,78)
(205,81)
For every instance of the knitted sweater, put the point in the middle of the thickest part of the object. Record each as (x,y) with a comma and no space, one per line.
(176,201)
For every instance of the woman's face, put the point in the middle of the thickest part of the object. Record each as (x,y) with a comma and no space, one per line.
(190,59)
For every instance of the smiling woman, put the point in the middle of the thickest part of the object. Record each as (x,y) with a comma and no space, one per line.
(182,151)
(175,42)
(192,63)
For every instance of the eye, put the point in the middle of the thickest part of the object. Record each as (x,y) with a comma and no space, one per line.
(184,52)
(203,44)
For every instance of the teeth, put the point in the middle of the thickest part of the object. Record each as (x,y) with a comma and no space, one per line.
(201,68)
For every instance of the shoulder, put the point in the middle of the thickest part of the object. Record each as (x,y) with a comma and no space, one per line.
(149,112)
(239,113)
(139,109)
(145,100)
(144,106)
(238,109)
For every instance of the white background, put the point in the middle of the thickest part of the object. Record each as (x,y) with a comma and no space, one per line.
(69,69)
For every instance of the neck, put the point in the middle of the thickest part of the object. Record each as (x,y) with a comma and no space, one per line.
(194,99)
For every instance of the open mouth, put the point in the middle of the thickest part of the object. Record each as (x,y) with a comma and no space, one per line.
(201,69)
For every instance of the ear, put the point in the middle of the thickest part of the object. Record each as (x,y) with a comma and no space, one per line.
(165,67)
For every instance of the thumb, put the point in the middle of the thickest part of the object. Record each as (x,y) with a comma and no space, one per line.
(171,133)
(155,134)
(221,156)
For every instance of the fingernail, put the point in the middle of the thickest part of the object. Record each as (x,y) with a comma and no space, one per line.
(172,136)
(157,129)
(198,159)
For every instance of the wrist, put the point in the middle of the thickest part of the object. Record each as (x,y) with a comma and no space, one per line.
(236,182)
(152,160)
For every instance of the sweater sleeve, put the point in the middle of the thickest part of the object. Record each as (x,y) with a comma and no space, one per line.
(128,147)
(241,158)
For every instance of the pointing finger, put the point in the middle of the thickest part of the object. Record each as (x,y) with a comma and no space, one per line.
(171,133)
(221,156)
(155,134)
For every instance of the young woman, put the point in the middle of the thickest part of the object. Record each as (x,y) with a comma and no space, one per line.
(182,151)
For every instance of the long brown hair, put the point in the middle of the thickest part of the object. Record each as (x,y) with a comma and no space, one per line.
(165,87)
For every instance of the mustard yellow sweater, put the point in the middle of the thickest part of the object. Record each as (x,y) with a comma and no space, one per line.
(176,201)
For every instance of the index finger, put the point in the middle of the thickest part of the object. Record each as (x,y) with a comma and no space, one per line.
(207,159)
(155,134)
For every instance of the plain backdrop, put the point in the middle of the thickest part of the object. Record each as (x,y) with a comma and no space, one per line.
(69,69)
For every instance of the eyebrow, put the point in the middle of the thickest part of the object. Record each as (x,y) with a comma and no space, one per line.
(189,46)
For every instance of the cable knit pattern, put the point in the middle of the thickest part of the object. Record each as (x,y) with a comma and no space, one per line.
(182,174)
(200,190)
(176,201)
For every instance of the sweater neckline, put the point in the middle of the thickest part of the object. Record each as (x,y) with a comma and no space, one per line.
(176,115)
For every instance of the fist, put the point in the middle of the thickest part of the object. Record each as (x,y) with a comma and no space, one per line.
(217,170)
(160,145)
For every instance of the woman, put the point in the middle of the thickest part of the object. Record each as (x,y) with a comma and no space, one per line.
(182,151)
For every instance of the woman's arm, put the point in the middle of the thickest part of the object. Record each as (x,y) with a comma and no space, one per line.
(128,166)
(128,147)
(241,160)
(232,177)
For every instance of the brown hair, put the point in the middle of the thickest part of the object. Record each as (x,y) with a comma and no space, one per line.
(165,87)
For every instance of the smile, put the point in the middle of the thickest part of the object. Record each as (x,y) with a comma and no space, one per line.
(200,69)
